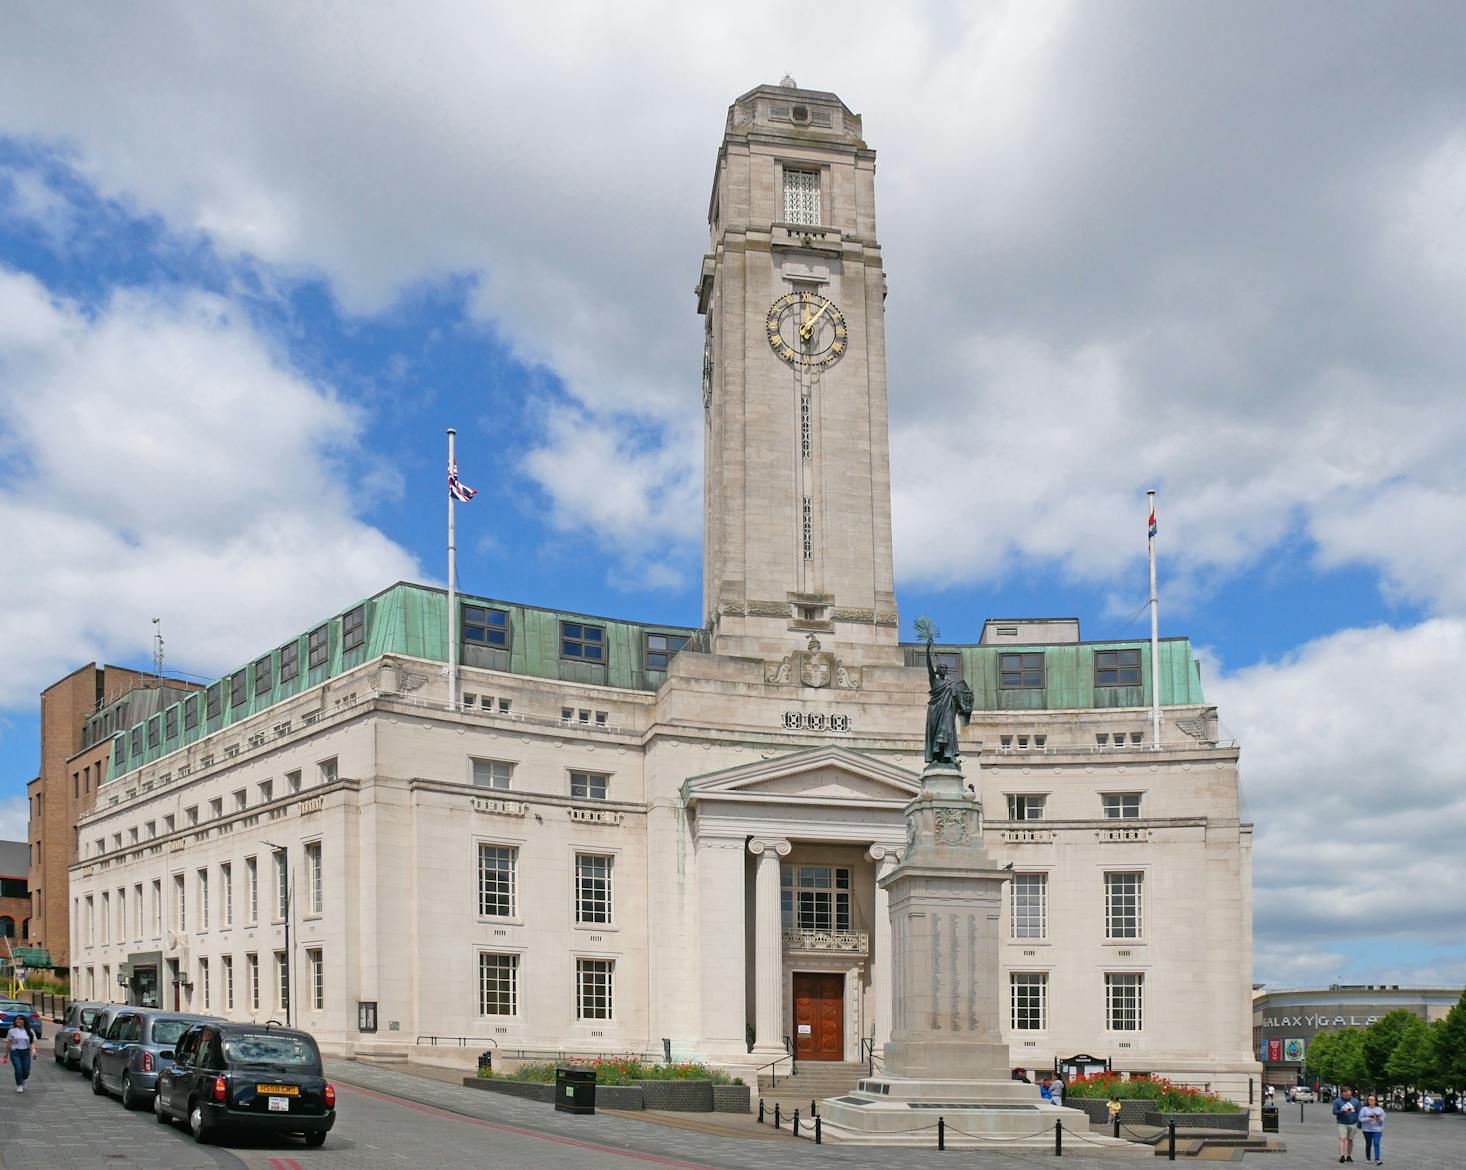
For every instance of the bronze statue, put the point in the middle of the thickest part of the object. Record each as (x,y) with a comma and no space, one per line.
(949,699)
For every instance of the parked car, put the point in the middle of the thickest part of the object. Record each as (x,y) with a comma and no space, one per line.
(1303,1093)
(137,1045)
(11,1008)
(75,1025)
(101,1023)
(253,1076)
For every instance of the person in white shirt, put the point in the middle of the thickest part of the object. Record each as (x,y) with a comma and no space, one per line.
(18,1048)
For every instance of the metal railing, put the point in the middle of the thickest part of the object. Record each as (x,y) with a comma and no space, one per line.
(455,1041)
(772,1068)
(868,1054)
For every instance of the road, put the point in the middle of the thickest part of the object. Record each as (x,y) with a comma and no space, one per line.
(392,1119)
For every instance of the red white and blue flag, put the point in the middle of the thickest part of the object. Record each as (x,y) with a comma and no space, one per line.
(463,493)
(1152,522)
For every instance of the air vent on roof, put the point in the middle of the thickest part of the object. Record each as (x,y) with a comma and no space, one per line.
(1006,632)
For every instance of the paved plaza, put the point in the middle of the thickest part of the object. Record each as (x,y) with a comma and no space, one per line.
(390,1118)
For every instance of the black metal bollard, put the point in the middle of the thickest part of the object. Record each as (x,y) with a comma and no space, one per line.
(761,1111)
(776,1116)
(813,1112)
(1300,1112)
(1117,1125)
(941,1133)
(1171,1141)
(1058,1139)
(796,1123)
(818,1126)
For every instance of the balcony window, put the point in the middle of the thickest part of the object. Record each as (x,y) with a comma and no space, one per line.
(815,897)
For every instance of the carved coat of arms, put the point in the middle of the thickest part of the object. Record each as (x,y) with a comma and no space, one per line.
(817,669)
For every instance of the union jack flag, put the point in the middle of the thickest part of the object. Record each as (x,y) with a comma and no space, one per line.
(459,491)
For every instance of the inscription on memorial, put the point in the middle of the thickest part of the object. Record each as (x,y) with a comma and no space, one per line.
(936,1000)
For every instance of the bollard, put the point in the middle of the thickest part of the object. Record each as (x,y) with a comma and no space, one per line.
(813,1112)
(1171,1141)
(796,1123)
(1058,1139)
(818,1125)
(1117,1125)
(1300,1112)
(941,1133)
(761,1111)
(776,1115)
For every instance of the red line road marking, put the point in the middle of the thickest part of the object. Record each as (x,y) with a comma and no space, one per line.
(655,1159)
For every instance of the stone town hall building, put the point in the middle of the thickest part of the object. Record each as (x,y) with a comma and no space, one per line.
(625,832)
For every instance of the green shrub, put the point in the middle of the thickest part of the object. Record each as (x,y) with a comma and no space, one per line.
(1167,1096)
(614,1070)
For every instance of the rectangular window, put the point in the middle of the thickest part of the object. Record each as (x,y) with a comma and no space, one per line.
(951,660)
(317,967)
(137,741)
(289,662)
(203,892)
(170,722)
(1122,904)
(238,688)
(1030,991)
(594,990)
(582,643)
(292,781)
(815,897)
(252,981)
(492,773)
(588,785)
(353,629)
(213,697)
(592,888)
(226,969)
(168,823)
(204,984)
(1025,807)
(157,907)
(191,713)
(496,880)
(327,769)
(267,791)
(498,985)
(155,731)
(315,877)
(91,921)
(226,892)
(106,918)
(264,676)
(318,647)
(801,197)
(282,981)
(216,808)
(661,648)
(282,884)
(137,912)
(251,890)
(1029,905)
(1020,671)
(1122,806)
(1124,995)
(485,627)
(241,800)
(1117,668)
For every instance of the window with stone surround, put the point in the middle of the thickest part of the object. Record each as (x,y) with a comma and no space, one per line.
(204,984)
(252,980)
(1030,1000)
(1020,671)
(497,872)
(1121,806)
(282,980)
(815,897)
(589,785)
(1028,900)
(315,877)
(315,961)
(251,890)
(1025,806)
(1122,904)
(498,984)
(801,196)
(203,892)
(594,988)
(1124,1001)
(492,773)
(593,888)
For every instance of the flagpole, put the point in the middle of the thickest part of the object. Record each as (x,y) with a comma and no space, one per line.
(453,584)
(1155,635)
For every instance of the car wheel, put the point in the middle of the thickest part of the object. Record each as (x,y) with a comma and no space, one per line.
(129,1099)
(316,1138)
(159,1112)
(97,1087)
(60,1059)
(198,1124)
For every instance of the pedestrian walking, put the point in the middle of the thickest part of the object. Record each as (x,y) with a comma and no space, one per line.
(1044,1090)
(1056,1090)
(1346,1113)
(1372,1125)
(18,1048)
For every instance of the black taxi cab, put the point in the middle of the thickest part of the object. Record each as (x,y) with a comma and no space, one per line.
(246,1076)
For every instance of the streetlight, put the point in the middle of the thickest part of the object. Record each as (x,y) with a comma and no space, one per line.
(289,903)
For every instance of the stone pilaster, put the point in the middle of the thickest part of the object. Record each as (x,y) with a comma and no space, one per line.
(720,904)
(885,859)
(768,946)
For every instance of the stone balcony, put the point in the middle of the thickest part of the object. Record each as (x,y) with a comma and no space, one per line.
(845,942)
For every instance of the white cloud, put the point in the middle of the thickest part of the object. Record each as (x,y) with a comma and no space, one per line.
(165,463)
(15,819)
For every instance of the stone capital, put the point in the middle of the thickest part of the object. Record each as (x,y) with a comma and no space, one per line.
(879,853)
(776,845)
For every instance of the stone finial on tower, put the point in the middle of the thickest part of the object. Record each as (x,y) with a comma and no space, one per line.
(789,82)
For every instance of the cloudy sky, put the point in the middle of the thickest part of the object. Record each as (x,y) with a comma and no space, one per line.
(255,257)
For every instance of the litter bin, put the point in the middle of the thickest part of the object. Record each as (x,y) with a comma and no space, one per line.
(575,1090)
(1269,1119)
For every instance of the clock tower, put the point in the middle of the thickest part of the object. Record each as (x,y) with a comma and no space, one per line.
(796,496)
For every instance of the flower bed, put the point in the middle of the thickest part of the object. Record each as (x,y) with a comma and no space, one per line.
(1162,1095)
(619,1070)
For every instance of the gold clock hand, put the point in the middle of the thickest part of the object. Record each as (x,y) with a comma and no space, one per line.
(807,329)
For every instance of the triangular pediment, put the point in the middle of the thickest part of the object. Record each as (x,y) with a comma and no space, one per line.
(818,775)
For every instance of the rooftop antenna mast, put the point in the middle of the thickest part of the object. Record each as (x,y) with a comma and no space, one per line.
(158,647)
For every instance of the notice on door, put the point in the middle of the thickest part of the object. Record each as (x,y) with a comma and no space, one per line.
(805,1029)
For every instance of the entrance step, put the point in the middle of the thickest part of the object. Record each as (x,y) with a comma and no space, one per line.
(815,1080)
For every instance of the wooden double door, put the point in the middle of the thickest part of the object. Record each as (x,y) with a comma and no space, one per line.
(819,1016)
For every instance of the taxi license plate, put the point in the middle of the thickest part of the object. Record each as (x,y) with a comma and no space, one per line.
(279,1104)
(278,1090)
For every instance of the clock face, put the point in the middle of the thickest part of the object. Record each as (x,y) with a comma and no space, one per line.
(806,329)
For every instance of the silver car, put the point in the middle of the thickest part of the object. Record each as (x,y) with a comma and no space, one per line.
(138,1043)
(73,1030)
(92,1040)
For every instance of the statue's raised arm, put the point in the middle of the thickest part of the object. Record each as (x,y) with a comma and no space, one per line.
(947,699)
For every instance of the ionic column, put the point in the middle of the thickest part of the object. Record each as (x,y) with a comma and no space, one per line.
(885,858)
(768,933)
